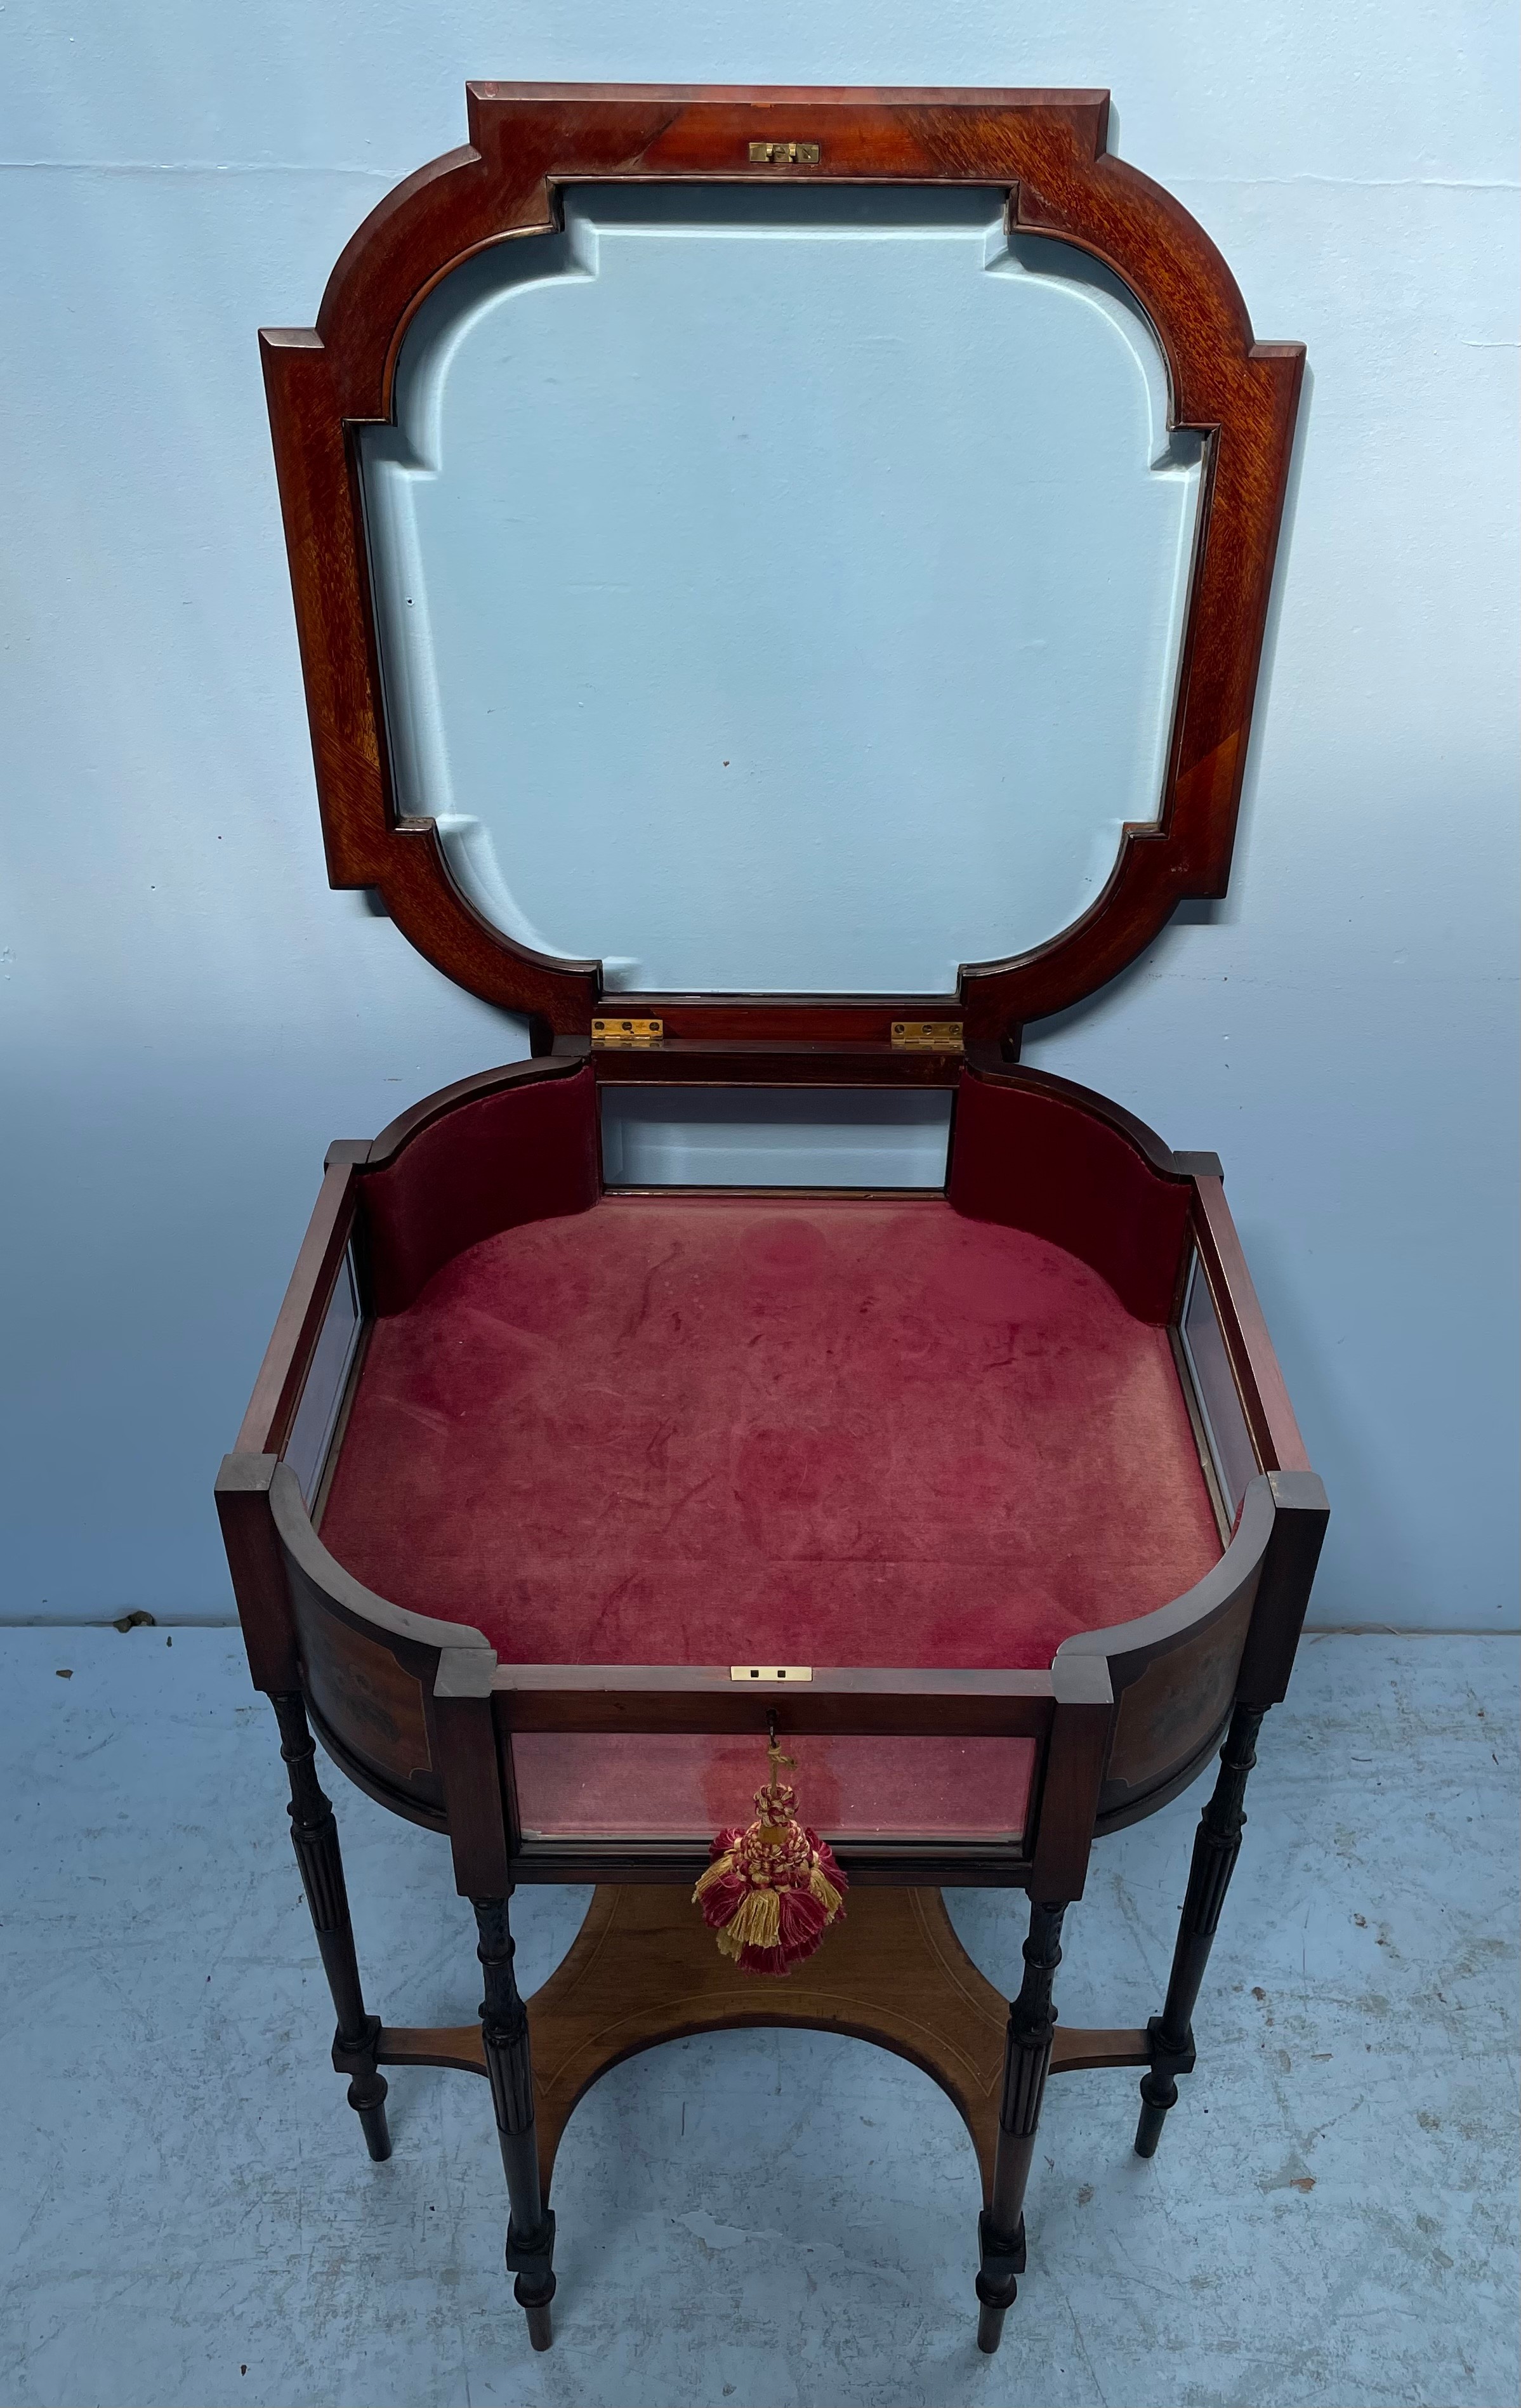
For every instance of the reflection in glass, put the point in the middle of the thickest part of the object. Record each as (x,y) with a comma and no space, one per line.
(584,1785)
(1214,1386)
(316,1415)
(780,589)
(774,1137)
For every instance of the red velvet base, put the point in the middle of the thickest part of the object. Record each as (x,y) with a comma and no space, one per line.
(705,1429)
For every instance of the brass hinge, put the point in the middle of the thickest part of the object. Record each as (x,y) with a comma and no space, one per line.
(783,154)
(626,1035)
(929,1035)
(770,1671)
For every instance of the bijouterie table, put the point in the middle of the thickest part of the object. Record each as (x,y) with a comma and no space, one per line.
(568,1490)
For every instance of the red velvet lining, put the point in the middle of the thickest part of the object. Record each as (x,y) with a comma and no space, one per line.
(700,1430)
(523,1154)
(1034,1160)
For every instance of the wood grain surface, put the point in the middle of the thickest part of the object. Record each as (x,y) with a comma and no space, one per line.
(644,1969)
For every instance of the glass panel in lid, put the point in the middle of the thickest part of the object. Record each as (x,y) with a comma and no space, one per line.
(780,589)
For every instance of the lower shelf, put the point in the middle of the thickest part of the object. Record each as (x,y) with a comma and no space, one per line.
(644,1969)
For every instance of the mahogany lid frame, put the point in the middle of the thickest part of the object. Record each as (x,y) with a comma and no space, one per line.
(1047,150)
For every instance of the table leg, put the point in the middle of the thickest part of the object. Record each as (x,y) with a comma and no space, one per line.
(1217,1844)
(1032,2029)
(504,2032)
(314,1837)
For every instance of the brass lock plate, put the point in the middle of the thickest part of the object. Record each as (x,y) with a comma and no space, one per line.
(783,154)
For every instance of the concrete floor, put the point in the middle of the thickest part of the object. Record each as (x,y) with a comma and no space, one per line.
(758,2218)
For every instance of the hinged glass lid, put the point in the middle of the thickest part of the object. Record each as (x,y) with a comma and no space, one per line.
(780,589)
(794,562)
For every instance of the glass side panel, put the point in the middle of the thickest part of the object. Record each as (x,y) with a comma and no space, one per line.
(582,1785)
(1214,1386)
(657,1136)
(780,589)
(316,1415)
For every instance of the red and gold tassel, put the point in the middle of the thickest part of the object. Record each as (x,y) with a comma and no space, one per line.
(772,1891)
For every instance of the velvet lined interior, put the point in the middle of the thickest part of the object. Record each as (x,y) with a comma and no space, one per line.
(707,1429)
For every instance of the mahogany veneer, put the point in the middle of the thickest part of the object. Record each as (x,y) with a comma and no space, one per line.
(1047,150)
(643,1970)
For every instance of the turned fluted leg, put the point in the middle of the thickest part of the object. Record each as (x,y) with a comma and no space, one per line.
(504,2031)
(1032,2025)
(1216,1846)
(315,1839)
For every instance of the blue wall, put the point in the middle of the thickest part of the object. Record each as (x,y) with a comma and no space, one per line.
(189,1014)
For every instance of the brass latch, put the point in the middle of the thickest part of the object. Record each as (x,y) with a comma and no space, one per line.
(626,1035)
(929,1035)
(783,154)
(770,1671)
